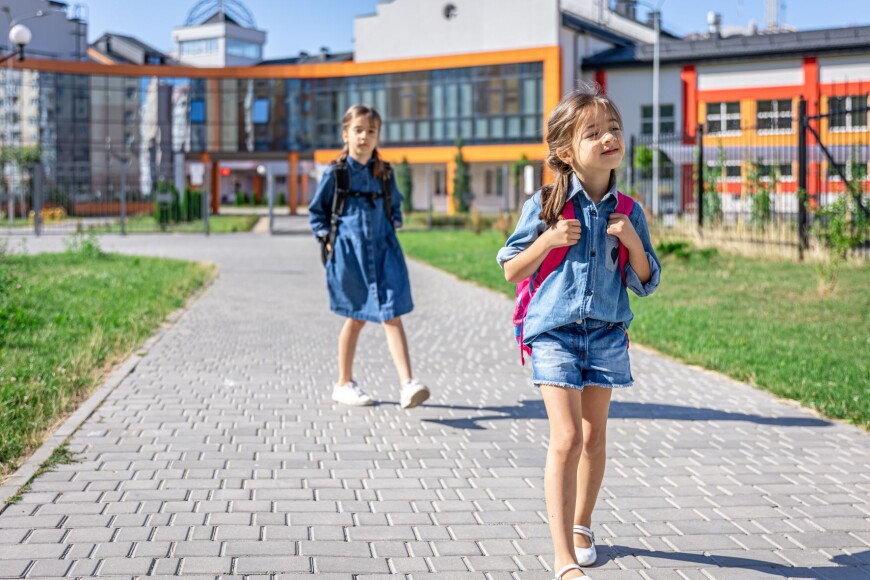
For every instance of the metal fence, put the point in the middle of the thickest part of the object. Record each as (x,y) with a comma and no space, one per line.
(764,185)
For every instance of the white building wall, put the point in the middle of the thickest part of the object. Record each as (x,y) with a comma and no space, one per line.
(220,31)
(597,11)
(751,75)
(54,35)
(418,28)
(632,88)
(843,70)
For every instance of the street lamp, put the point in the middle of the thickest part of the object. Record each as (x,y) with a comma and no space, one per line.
(656,16)
(125,161)
(20,36)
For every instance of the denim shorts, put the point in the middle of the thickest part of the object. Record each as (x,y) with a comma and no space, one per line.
(588,352)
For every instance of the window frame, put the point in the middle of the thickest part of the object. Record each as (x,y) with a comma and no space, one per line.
(774,114)
(722,117)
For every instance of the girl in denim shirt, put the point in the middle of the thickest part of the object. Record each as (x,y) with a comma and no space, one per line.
(366,274)
(578,319)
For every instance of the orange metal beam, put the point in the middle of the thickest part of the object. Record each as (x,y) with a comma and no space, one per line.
(320,70)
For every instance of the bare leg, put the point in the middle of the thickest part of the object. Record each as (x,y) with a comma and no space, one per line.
(564,410)
(347,348)
(590,472)
(398,345)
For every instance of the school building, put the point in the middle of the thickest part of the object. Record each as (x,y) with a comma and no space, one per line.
(482,72)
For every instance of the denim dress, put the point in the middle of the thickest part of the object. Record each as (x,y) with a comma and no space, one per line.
(367,277)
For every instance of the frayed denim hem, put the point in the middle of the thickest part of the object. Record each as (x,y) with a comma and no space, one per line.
(622,386)
(538,384)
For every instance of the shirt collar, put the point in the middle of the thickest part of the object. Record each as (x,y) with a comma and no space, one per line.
(353,163)
(577,188)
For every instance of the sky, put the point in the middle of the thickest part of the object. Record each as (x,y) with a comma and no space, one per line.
(296,25)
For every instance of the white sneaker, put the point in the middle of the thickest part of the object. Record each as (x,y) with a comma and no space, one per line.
(413,394)
(350,394)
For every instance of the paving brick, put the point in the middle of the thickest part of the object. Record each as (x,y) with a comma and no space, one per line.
(222,453)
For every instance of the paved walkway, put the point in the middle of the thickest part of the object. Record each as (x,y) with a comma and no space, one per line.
(221,454)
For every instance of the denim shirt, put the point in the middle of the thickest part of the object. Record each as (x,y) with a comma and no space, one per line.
(587,284)
(367,278)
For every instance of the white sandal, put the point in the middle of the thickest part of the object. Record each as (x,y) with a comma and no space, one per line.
(568,568)
(585,556)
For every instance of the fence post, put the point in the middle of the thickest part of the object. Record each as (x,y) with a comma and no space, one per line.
(36,186)
(206,192)
(630,168)
(803,225)
(699,202)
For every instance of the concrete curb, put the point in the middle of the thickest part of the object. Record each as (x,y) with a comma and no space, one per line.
(28,469)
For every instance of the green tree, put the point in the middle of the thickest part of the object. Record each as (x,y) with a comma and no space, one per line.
(462,182)
(713,177)
(761,188)
(405,183)
(841,227)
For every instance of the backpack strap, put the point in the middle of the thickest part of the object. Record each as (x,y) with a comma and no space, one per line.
(624,205)
(556,255)
(387,192)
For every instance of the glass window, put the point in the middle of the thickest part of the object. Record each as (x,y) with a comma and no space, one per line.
(530,96)
(481,128)
(260,113)
(667,124)
(197,47)
(465,99)
(437,102)
(197,111)
(243,49)
(723,117)
(846,112)
(774,115)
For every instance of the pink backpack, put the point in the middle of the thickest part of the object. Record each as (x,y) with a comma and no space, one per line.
(526,289)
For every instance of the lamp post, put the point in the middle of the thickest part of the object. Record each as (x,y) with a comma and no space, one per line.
(20,36)
(125,161)
(656,16)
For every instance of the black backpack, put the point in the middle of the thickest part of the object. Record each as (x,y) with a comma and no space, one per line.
(339,198)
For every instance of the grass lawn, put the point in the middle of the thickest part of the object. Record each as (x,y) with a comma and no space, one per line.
(759,321)
(64,320)
(218,224)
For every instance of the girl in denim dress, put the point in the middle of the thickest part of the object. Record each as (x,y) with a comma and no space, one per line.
(366,275)
(578,319)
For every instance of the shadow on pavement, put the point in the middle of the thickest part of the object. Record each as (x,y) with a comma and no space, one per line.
(842,566)
(534,409)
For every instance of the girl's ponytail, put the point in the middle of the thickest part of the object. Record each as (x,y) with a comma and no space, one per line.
(554,195)
(380,170)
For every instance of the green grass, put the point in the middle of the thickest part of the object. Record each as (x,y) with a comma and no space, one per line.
(64,320)
(762,322)
(60,456)
(218,224)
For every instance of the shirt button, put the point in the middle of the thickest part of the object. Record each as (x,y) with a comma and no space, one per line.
(594,213)
(589,293)
(591,254)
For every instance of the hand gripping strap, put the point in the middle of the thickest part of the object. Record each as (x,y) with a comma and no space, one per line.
(556,255)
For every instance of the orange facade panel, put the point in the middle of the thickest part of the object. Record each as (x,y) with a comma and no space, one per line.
(322,70)
(439,155)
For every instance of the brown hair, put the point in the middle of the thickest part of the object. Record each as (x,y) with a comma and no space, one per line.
(380,170)
(565,123)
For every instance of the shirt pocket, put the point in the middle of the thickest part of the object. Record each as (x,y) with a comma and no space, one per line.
(611,252)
